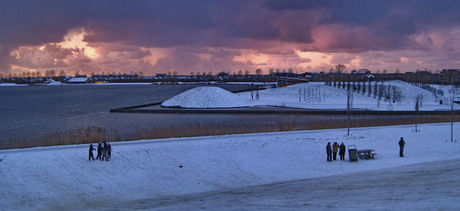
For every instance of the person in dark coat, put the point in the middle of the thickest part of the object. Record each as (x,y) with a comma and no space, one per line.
(91,148)
(335,149)
(342,151)
(401,147)
(329,152)
(109,151)
(99,151)
(105,154)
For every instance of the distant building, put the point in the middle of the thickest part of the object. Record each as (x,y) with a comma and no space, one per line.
(79,80)
(451,76)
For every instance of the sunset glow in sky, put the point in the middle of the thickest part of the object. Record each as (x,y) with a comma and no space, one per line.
(116,36)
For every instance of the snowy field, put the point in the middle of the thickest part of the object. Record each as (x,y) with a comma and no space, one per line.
(266,168)
(265,171)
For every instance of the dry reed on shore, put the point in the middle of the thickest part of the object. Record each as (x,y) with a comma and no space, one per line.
(283,123)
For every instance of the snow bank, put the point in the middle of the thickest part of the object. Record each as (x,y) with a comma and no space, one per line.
(206,97)
(12,84)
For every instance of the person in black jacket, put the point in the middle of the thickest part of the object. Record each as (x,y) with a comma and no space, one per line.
(401,147)
(109,151)
(91,148)
(329,152)
(99,151)
(342,151)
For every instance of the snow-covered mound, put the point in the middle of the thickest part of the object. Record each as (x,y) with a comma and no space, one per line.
(317,95)
(207,97)
(396,95)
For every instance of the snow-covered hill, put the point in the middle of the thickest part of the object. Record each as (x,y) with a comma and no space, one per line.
(206,97)
(315,95)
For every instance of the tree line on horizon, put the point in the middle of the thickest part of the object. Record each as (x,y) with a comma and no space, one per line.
(340,68)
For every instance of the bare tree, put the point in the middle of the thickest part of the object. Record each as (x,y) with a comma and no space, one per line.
(258,71)
(340,68)
(53,73)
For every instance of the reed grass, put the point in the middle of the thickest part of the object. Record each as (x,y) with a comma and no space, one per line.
(283,123)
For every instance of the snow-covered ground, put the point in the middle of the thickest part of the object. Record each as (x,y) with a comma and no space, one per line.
(62,178)
(263,171)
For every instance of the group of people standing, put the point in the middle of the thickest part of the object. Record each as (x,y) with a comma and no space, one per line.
(104,151)
(332,151)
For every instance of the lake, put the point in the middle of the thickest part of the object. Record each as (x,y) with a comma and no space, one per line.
(31,111)
(28,111)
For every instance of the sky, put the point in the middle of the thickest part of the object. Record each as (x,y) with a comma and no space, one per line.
(210,36)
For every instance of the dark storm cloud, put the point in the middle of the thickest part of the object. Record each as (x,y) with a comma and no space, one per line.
(184,22)
(351,26)
(350,11)
(363,12)
(390,22)
(38,22)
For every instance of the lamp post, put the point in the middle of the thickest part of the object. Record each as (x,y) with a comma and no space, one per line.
(349,105)
(453,95)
